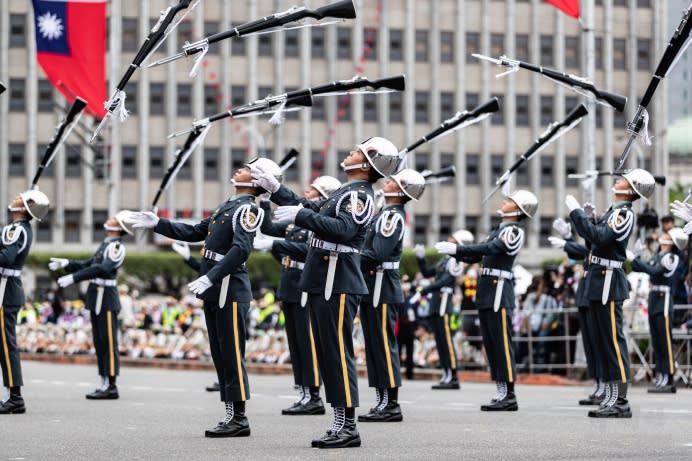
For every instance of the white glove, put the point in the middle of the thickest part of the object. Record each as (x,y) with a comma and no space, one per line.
(557,242)
(419,251)
(200,285)
(262,244)
(143,220)
(58,263)
(182,248)
(682,210)
(589,210)
(572,203)
(563,228)
(415,298)
(630,255)
(639,248)
(65,280)
(265,180)
(287,213)
(446,247)
(688,228)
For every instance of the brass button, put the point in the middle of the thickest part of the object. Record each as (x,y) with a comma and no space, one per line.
(326,258)
(494,282)
(372,272)
(214,221)
(603,272)
(208,233)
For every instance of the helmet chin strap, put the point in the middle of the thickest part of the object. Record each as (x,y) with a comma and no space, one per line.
(15,209)
(393,194)
(662,241)
(353,167)
(108,228)
(623,191)
(509,213)
(243,184)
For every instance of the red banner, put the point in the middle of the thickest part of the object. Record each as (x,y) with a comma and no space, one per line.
(569,7)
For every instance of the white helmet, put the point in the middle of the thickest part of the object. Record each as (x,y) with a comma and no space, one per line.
(263,165)
(122,218)
(462,236)
(411,183)
(326,185)
(36,203)
(641,182)
(526,201)
(381,153)
(679,238)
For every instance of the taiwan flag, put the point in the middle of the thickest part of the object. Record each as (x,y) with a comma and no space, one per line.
(71,48)
(569,7)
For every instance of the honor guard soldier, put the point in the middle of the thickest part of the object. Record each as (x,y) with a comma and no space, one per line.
(445,272)
(224,285)
(332,277)
(291,249)
(495,296)
(578,251)
(661,269)
(15,242)
(102,299)
(379,308)
(606,283)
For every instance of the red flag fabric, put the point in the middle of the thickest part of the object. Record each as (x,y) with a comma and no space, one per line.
(569,7)
(71,48)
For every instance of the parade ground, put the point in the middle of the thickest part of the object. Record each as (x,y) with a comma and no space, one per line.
(162,414)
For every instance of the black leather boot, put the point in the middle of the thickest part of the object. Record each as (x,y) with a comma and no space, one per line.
(110,393)
(388,414)
(215,387)
(616,406)
(14,405)
(507,403)
(342,434)
(236,423)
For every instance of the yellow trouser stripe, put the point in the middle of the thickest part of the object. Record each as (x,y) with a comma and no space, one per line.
(238,359)
(111,355)
(342,350)
(670,348)
(313,353)
(450,346)
(615,342)
(385,340)
(505,342)
(10,381)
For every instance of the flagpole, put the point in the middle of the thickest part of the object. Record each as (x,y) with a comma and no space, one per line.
(589,60)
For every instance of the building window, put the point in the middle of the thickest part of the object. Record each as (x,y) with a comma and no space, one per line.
(316,162)
(446,46)
(521,45)
(265,45)
(447,104)
(317,42)
(211,28)
(343,43)
(212,98)
(422,45)
(522,105)
(17,31)
(131,103)
(446,226)
(238,158)
(497,165)
(130,39)
(619,121)
(238,97)
(184,30)
(472,225)
(396,45)
(473,177)
(546,230)
(157,165)
(547,171)
(319,110)
(370,108)
(45,96)
(522,175)
(184,98)
(473,45)
(546,48)
(396,107)
(422,109)
(17,95)
(44,229)
(472,100)
(99,217)
(572,52)
(497,45)
(72,220)
(571,167)
(447,159)
(16,167)
(422,161)
(547,115)
(157,99)
(291,40)
(73,160)
(129,166)
(237,44)
(370,41)
(619,53)
(643,54)
(211,163)
(420,229)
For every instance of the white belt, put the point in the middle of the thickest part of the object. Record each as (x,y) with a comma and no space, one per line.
(497,273)
(10,272)
(390,265)
(609,263)
(104,282)
(208,254)
(447,290)
(663,288)
(289,263)
(339,248)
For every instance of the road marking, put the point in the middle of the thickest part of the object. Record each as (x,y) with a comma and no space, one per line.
(672,412)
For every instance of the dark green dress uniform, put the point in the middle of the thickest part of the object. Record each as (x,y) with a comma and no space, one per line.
(15,242)
(380,261)
(228,234)
(586,320)
(333,279)
(291,252)
(661,269)
(445,272)
(495,295)
(102,300)
(605,284)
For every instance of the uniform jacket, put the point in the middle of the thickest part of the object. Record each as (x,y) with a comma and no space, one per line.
(383,243)
(661,269)
(608,237)
(342,219)
(293,245)
(579,251)
(229,231)
(497,251)
(109,257)
(15,242)
(445,272)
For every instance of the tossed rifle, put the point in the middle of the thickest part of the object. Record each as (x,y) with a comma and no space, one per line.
(288,160)
(555,130)
(444,174)
(458,121)
(590,176)
(302,97)
(62,131)
(340,10)
(676,48)
(575,83)
(2,88)
(168,21)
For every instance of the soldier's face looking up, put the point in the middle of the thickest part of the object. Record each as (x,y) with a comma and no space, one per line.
(311,194)
(16,202)
(508,206)
(391,186)
(355,157)
(111,222)
(621,184)
(665,246)
(242,175)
